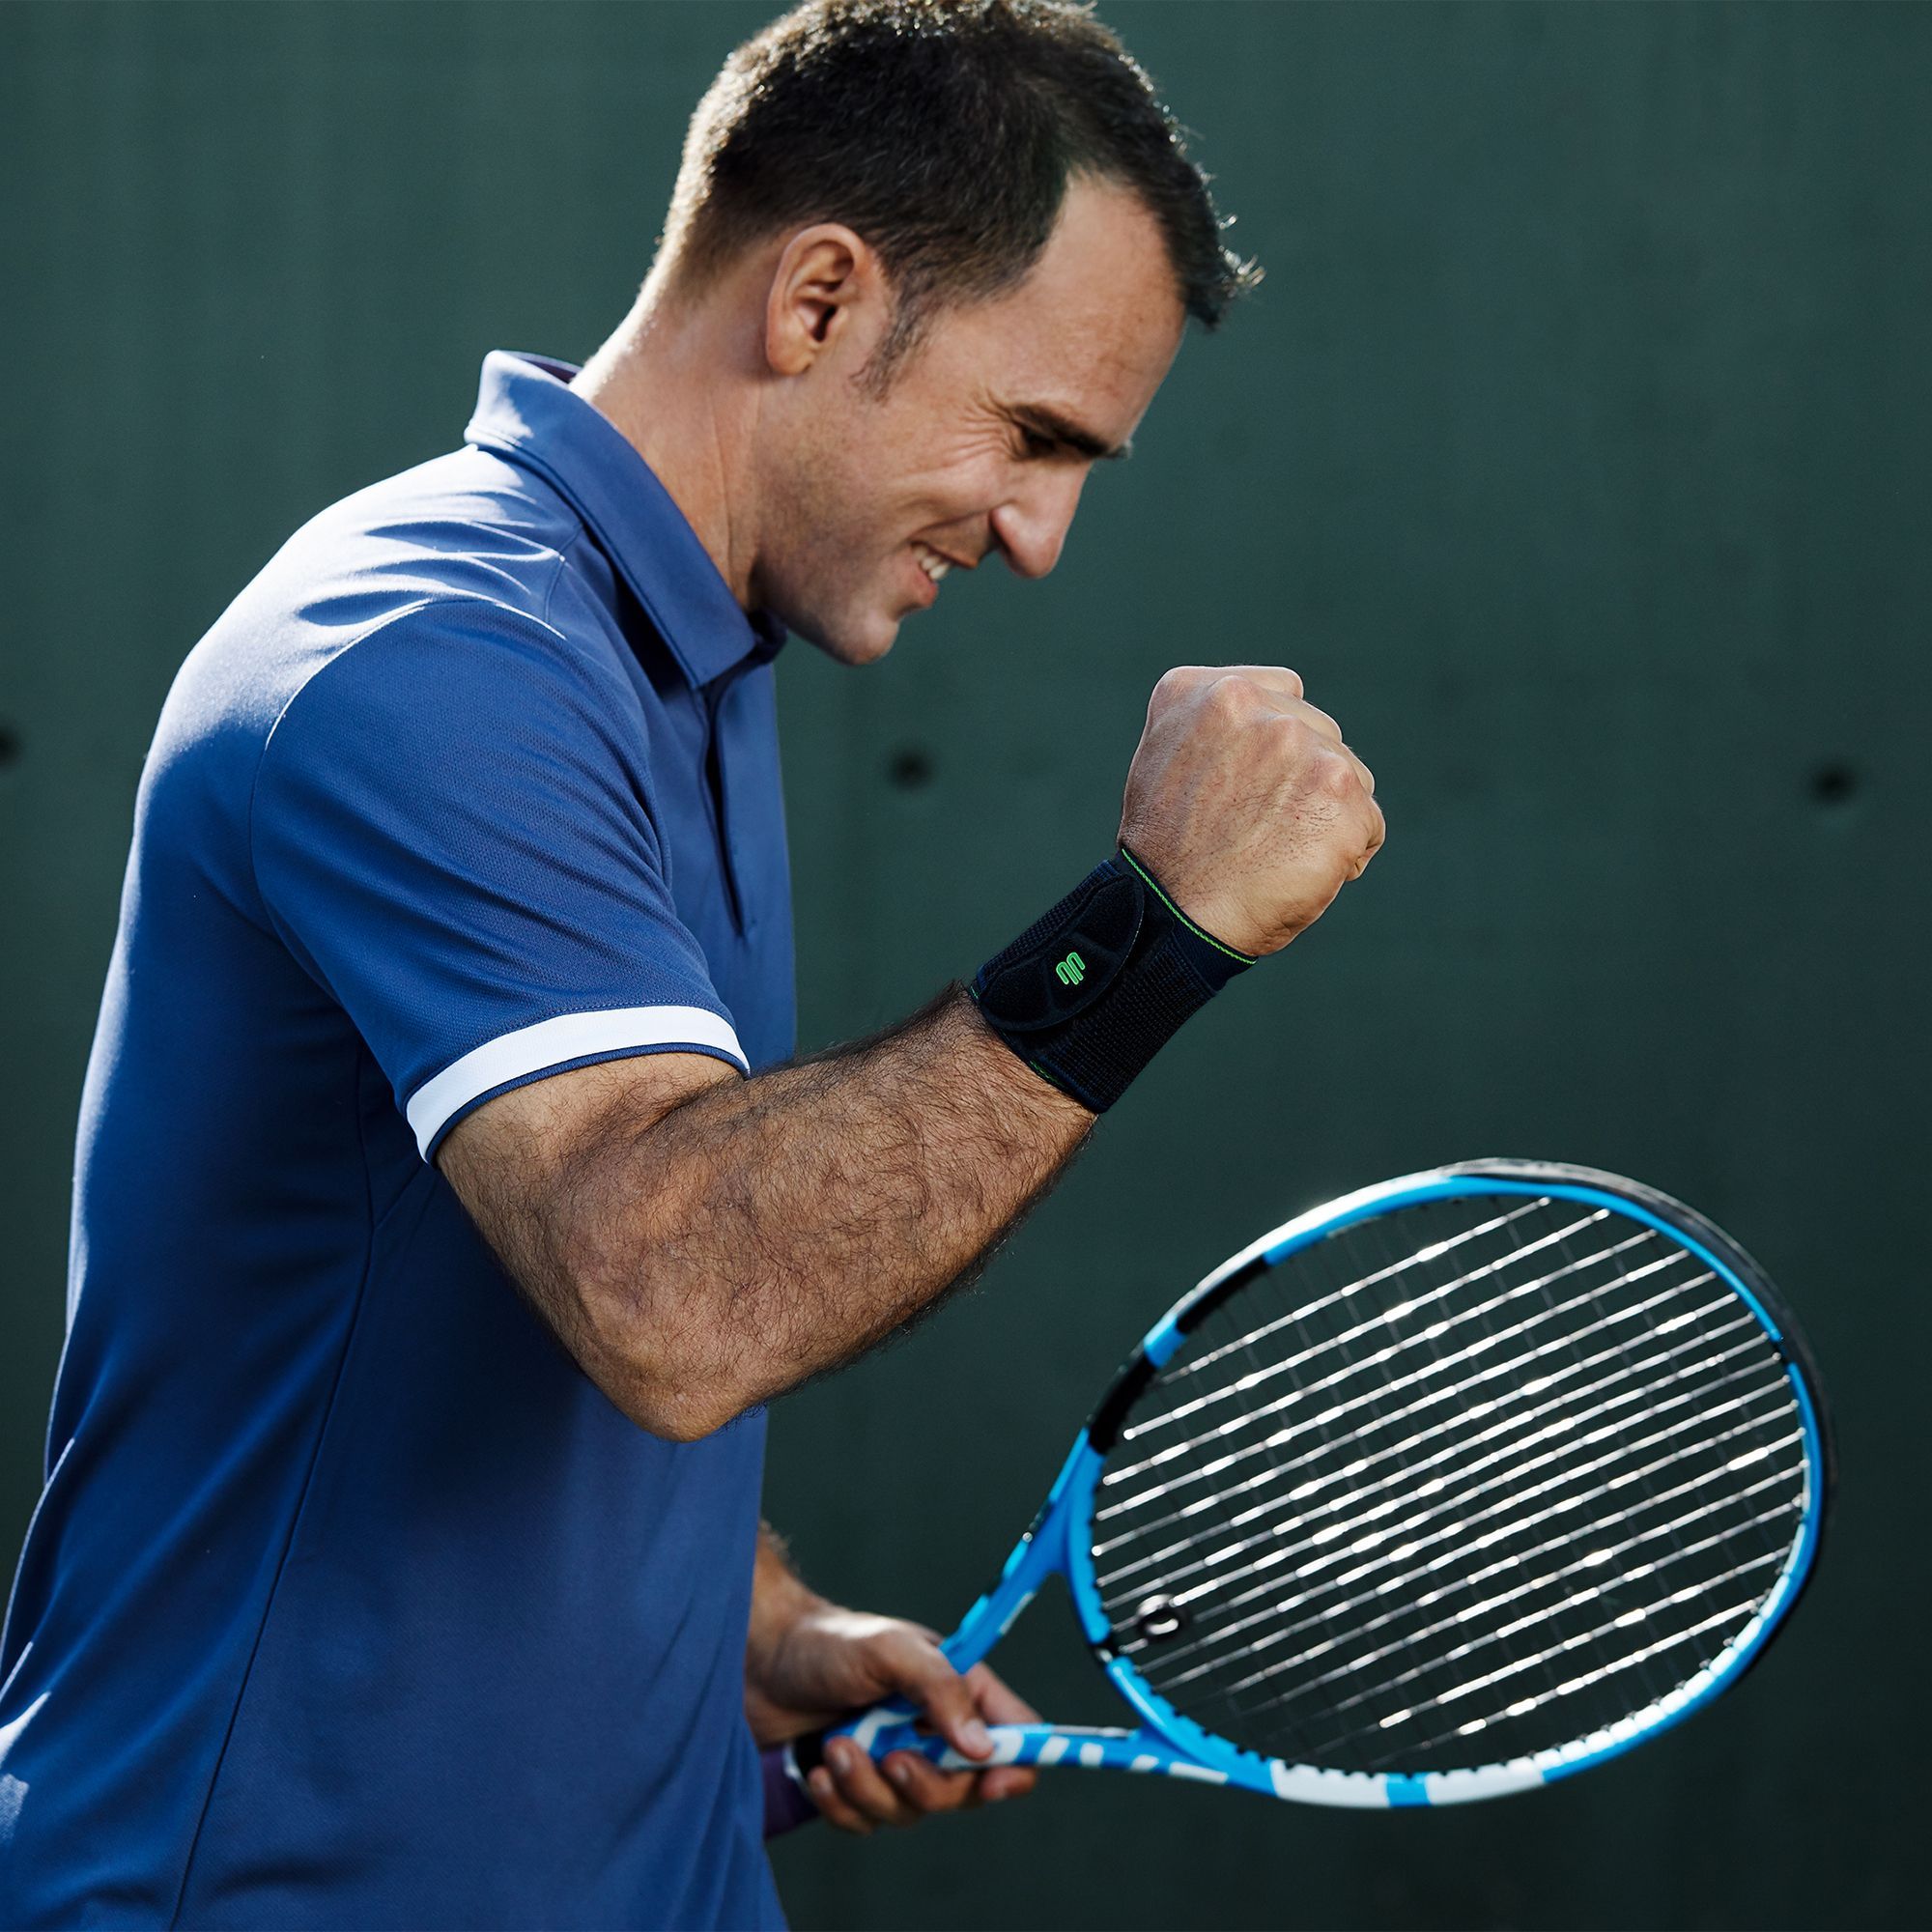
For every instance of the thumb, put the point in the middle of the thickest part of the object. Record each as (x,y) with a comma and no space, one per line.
(948,1701)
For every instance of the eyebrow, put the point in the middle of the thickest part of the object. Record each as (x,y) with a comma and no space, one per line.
(1063,430)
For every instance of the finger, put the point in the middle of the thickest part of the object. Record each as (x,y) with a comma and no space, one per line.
(1277,680)
(1378,834)
(998,1703)
(1183,681)
(833,1807)
(863,1785)
(1318,721)
(924,1785)
(1343,774)
(1005,1781)
(921,1784)
(948,1699)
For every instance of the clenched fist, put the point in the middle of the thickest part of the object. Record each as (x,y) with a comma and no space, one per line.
(1245,803)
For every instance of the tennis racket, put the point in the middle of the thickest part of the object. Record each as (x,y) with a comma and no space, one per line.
(1451,1488)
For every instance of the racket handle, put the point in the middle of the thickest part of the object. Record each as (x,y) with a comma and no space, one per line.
(886,1727)
(804,1755)
(888,1730)
(787,1802)
(885,1730)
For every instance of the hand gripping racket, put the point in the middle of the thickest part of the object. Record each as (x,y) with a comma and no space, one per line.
(1455,1486)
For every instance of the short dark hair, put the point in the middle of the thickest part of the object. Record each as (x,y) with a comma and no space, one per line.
(944,133)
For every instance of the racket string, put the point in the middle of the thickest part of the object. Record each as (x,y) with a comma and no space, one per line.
(1432,1400)
(1321,1385)
(1395,1460)
(1403,1584)
(1733,1618)
(1380,1414)
(1593,1290)
(1194,1365)
(1380,1322)
(1502,1633)
(1715,1581)
(1427,1261)
(1400,1584)
(1274,1540)
(1602,1552)
(1651,1688)
(1249,1346)
(1415,1466)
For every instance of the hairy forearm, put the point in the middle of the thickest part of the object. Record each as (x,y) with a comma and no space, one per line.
(778,1594)
(779,1599)
(768,1229)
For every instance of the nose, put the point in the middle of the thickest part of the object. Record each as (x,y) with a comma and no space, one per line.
(1032,525)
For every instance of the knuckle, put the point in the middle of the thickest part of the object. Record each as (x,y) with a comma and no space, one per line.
(1295,743)
(1233,695)
(1338,776)
(1177,682)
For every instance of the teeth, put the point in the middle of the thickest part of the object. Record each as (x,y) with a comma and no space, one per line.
(932,562)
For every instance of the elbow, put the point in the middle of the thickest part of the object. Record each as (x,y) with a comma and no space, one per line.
(664,1397)
(651,1331)
(677,1414)
(648,1366)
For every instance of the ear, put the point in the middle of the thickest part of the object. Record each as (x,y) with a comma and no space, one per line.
(828,293)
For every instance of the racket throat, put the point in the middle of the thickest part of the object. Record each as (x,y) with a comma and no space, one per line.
(1046,1549)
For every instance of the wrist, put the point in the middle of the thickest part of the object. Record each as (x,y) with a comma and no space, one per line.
(1215,958)
(1093,989)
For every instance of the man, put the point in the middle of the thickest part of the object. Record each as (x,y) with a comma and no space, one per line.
(456,946)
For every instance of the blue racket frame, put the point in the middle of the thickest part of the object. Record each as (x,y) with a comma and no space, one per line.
(1169,1745)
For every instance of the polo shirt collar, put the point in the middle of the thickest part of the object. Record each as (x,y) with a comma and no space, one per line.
(527,412)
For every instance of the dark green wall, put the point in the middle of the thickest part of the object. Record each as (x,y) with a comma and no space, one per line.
(1575,451)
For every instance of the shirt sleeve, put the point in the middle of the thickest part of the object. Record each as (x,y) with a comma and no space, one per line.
(453,828)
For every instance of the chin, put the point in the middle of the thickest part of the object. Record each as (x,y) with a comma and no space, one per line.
(851,642)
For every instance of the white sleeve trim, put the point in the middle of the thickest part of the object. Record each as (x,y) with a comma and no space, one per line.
(533,1049)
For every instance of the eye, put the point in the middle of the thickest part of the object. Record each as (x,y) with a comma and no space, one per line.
(1035,443)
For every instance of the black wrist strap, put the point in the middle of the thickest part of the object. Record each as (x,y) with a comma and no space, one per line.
(1089,993)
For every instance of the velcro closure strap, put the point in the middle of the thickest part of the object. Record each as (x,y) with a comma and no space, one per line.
(1064,964)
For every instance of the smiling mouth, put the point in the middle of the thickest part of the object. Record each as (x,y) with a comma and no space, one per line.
(930,562)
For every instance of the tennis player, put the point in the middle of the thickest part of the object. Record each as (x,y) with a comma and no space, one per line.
(447,1208)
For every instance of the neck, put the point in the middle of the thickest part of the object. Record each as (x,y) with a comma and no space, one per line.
(687,411)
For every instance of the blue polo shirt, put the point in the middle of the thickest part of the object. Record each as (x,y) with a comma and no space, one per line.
(350,1600)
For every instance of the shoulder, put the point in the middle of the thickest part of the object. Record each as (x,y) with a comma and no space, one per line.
(446,594)
(457,698)
(466,544)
